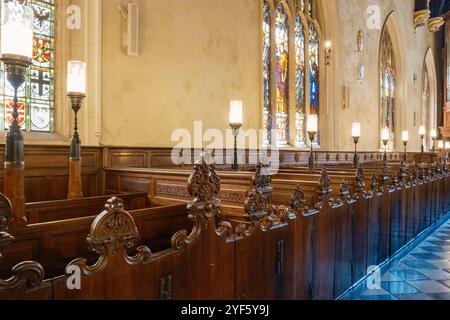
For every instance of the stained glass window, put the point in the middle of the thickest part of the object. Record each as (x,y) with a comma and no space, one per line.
(426,104)
(36,96)
(282,74)
(305,75)
(387,87)
(300,112)
(267,112)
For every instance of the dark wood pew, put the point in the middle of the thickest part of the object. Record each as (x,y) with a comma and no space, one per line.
(56,243)
(47,211)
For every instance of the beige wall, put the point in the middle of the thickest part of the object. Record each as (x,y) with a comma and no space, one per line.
(364,96)
(196,55)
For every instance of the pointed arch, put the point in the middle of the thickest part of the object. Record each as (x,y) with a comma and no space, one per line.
(428,110)
(391,81)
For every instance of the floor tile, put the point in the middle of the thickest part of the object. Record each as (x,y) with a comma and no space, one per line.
(443,264)
(413,296)
(446,283)
(378,298)
(398,287)
(375,292)
(419,264)
(435,249)
(430,286)
(389,277)
(426,256)
(440,296)
(409,275)
(437,274)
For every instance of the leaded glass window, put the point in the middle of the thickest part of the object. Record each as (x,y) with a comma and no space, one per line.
(300,112)
(387,87)
(298,69)
(267,112)
(282,74)
(426,104)
(36,96)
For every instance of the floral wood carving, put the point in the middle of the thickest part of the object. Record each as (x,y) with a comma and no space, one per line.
(256,207)
(298,200)
(112,233)
(324,185)
(204,187)
(345,189)
(262,179)
(28,274)
(374,184)
(5,220)
(204,183)
(385,172)
(360,185)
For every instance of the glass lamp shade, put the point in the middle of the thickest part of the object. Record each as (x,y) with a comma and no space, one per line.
(16,31)
(447,145)
(312,124)
(356,130)
(385,134)
(422,131)
(405,136)
(440,144)
(76,77)
(236,107)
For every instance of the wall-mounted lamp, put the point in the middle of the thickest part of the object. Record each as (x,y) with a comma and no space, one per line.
(356,134)
(236,116)
(312,127)
(405,139)
(327,53)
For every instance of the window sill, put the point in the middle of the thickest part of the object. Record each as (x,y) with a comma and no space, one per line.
(40,138)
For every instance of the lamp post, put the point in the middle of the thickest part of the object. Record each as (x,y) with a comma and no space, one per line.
(356,134)
(76,92)
(385,138)
(433,135)
(16,51)
(236,109)
(312,127)
(405,139)
(422,133)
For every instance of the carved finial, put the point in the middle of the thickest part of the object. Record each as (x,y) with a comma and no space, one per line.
(27,274)
(385,172)
(262,179)
(256,207)
(5,212)
(113,230)
(345,191)
(324,184)
(298,199)
(204,183)
(360,185)
(374,183)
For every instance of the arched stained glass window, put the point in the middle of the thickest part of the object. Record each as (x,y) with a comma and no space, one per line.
(282,74)
(314,45)
(387,87)
(298,69)
(36,96)
(267,112)
(300,112)
(426,105)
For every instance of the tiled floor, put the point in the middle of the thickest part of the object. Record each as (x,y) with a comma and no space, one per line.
(424,274)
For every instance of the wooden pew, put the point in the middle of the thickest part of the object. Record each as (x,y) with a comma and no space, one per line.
(47,211)
(56,243)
